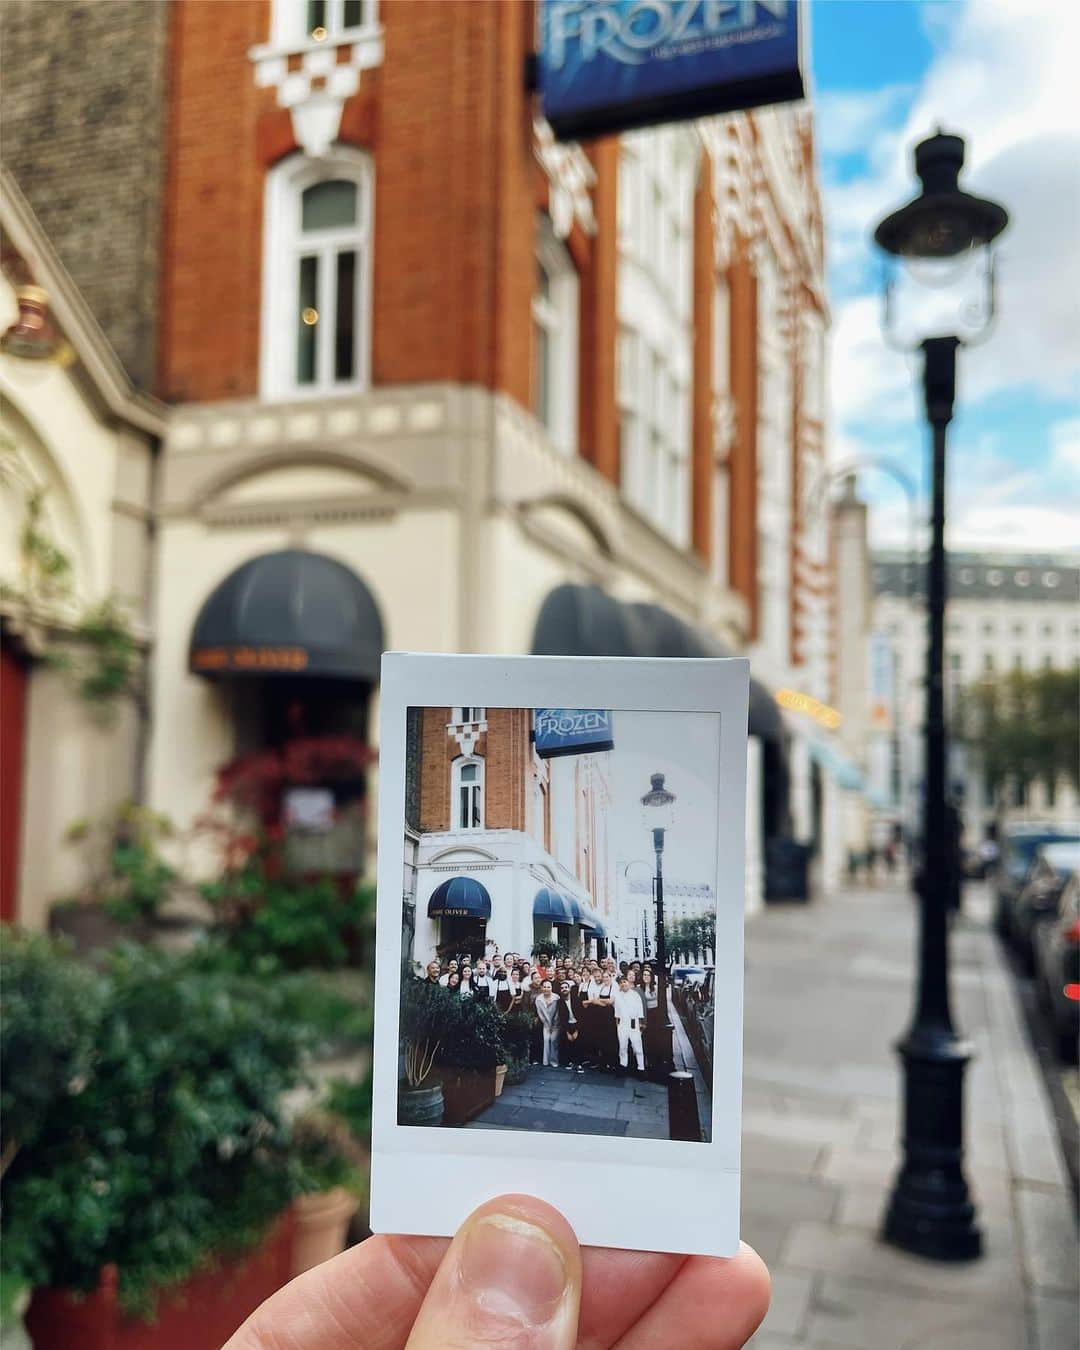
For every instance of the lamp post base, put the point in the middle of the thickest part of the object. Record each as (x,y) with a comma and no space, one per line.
(930,1211)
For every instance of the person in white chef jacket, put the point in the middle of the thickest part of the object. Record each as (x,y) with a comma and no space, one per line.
(629,1018)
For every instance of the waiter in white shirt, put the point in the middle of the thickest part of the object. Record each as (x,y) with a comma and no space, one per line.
(629,1015)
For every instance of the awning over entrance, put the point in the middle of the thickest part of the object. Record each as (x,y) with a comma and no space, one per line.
(289,613)
(584,916)
(586,621)
(460,898)
(552,906)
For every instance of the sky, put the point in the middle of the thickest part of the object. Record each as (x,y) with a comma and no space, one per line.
(1002,73)
(685,748)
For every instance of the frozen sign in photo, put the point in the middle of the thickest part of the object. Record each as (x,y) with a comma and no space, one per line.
(572,731)
(559,991)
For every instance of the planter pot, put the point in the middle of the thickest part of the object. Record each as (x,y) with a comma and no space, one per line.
(90,928)
(199,1314)
(420,1106)
(466,1094)
(321,1224)
(517,1070)
(500,1078)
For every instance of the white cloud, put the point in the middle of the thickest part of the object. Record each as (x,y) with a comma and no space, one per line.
(1065,445)
(1004,77)
(845,118)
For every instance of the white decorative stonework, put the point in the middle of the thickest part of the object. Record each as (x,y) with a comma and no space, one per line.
(724,414)
(316,91)
(467,734)
(570,181)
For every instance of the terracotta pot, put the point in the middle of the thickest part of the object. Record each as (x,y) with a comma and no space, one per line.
(199,1314)
(466,1094)
(500,1078)
(322,1221)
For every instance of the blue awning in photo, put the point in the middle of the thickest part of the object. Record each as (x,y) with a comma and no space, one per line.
(590,922)
(460,898)
(552,906)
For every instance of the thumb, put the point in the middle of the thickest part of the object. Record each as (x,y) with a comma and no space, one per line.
(511,1277)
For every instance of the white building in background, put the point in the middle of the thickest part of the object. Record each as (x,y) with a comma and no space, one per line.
(1005,612)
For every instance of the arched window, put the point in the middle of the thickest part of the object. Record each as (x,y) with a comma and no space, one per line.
(299,21)
(555,338)
(657,178)
(467,793)
(317,275)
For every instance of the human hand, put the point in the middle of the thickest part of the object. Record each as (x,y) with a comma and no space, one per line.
(514,1277)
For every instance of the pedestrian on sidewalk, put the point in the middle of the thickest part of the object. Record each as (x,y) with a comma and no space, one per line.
(547,1012)
(629,1016)
(569,1025)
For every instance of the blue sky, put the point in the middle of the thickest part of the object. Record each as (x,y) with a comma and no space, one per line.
(885,73)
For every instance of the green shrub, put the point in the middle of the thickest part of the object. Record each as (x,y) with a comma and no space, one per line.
(50,1011)
(429,1014)
(176,1148)
(352,1102)
(125,872)
(474,1038)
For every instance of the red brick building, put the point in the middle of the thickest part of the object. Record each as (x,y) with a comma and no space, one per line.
(400,328)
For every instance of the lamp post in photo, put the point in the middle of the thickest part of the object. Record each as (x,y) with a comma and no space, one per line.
(930,1211)
(658,815)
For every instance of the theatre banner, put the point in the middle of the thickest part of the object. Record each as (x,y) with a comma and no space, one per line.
(609,65)
(571,731)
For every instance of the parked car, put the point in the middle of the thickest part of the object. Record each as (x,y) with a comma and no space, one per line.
(1050,869)
(1018,847)
(1057,969)
(681,975)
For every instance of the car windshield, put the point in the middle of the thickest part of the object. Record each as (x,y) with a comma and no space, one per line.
(1022,847)
(1063,857)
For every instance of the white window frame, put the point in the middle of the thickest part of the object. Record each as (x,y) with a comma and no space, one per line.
(456,787)
(657,183)
(558,317)
(288,23)
(283,246)
(479,715)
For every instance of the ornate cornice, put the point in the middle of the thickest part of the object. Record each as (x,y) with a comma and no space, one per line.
(570,177)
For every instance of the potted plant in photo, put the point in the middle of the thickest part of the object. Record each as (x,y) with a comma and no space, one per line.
(472,1050)
(516,1032)
(428,1014)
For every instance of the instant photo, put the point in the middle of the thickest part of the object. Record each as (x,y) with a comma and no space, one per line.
(560,937)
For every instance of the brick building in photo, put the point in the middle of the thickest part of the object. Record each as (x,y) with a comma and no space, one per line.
(504,848)
(431,380)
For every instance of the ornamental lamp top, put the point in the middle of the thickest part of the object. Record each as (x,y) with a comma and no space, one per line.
(658,805)
(943,221)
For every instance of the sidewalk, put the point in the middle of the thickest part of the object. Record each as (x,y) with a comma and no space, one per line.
(828,991)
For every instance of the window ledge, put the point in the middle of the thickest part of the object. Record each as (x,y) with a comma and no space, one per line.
(269,51)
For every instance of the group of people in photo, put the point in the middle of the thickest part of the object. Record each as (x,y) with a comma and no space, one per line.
(584,1013)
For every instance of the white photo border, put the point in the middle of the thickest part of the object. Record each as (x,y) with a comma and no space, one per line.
(647,1194)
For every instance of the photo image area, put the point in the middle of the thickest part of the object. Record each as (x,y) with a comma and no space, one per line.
(558,951)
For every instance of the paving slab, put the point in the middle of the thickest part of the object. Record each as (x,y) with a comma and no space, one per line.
(789,1309)
(1057,1322)
(1048,1233)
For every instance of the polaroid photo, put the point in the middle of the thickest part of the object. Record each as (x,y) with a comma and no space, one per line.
(560,944)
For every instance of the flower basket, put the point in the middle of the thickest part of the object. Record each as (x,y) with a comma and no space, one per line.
(199,1314)
(322,1222)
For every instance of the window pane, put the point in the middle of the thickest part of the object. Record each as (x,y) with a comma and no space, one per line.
(306,321)
(327,206)
(468,773)
(542,374)
(316,15)
(344,318)
(463,817)
(354,13)
(543,281)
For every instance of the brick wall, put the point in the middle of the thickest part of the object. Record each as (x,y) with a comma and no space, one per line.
(82,111)
(505,752)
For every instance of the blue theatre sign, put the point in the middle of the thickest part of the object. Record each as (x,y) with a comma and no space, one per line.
(571,731)
(609,65)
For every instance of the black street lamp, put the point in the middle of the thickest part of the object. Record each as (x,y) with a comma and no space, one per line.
(658,815)
(930,1211)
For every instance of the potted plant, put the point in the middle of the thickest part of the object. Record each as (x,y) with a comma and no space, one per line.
(127,879)
(165,1157)
(471,1051)
(428,1014)
(335,1171)
(516,1033)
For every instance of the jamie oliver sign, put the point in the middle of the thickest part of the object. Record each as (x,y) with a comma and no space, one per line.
(609,65)
(571,731)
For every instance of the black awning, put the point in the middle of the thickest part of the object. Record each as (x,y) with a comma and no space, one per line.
(289,613)
(460,898)
(551,905)
(586,621)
